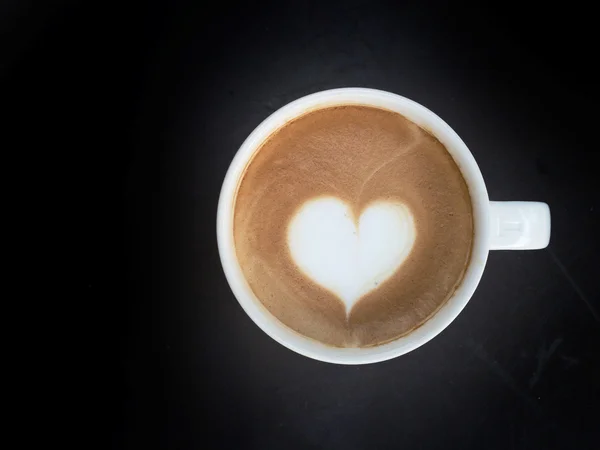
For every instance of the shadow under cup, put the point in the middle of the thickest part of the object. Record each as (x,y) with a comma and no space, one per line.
(438,321)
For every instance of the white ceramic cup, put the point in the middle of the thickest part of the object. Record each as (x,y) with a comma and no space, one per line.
(497,225)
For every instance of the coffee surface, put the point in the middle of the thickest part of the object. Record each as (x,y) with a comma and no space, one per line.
(358,170)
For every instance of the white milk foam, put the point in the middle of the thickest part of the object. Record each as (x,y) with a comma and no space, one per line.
(349,260)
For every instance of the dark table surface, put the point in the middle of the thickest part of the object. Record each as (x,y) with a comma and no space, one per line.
(155,99)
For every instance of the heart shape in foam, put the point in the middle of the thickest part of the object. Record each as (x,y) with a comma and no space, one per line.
(347,257)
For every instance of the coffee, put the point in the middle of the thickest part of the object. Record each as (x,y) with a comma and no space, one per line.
(352,225)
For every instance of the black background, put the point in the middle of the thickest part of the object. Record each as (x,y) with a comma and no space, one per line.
(141,107)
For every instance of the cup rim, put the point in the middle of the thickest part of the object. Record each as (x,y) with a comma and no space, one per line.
(433,325)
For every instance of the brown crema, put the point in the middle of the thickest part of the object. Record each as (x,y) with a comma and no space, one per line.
(358,154)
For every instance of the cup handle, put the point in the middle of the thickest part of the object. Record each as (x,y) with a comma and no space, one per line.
(519,225)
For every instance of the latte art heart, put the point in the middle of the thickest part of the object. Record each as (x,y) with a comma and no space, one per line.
(346,256)
(326,220)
